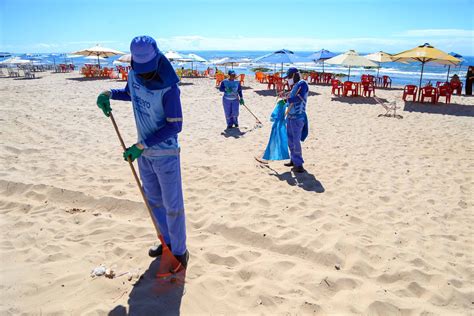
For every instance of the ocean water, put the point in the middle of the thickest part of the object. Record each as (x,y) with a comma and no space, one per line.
(400,73)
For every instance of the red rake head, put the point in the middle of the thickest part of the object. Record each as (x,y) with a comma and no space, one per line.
(169,265)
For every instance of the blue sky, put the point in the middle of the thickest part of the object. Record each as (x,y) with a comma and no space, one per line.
(365,25)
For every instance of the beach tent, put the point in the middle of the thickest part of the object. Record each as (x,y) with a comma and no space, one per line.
(282,56)
(351,59)
(98,51)
(379,57)
(321,56)
(425,54)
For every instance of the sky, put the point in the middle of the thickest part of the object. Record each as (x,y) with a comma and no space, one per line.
(47,26)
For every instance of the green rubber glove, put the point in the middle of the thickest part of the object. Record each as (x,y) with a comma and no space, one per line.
(103,102)
(241,101)
(133,152)
(228,90)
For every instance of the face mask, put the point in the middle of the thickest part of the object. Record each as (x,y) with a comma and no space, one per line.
(290,81)
(148,75)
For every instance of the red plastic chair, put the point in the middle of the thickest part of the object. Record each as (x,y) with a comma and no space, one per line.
(314,77)
(271,82)
(242,79)
(349,86)
(327,77)
(387,81)
(336,85)
(409,90)
(441,83)
(367,88)
(428,92)
(444,91)
(456,87)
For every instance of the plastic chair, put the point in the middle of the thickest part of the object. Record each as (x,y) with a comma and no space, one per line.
(409,90)
(314,77)
(456,87)
(219,78)
(441,83)
(428,92)
(242,79)
(336,85)
(367,88)
(349,86)
(271,82)
(387,82)
(444,91)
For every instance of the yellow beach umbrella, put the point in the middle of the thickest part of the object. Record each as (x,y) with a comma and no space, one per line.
(98,51)
(425,54)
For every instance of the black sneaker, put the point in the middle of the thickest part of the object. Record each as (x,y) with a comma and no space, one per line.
(156,251)
(236,125)
(183,259)
(298,169)
(289,164)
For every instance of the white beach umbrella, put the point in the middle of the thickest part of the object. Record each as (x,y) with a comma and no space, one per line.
(351,59)
(174,56)
(98,51)
(127,58)
(379,57)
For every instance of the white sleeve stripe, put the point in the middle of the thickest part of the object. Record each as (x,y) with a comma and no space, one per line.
(172,120)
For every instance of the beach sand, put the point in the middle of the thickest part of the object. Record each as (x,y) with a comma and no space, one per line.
(382,223)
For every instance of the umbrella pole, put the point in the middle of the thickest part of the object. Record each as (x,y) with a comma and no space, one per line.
(323,66)
(421,77)
(98,61)
(281,67)
(349,74)
(447,77)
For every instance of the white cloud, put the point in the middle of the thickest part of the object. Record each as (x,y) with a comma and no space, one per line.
(438,33)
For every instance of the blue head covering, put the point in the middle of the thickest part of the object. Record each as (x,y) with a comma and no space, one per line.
(290,72)
(231,72)
(146,57)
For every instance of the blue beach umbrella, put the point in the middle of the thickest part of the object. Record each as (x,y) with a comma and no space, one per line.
(321,56)
(455,55)
(282,56)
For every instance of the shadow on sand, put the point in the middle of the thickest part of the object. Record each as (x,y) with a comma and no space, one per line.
(154,296)
(92,79)
(272,93)
(440,108)
(306,181)
(358,100)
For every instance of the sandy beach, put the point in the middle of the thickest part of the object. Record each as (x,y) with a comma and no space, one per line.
(381,224)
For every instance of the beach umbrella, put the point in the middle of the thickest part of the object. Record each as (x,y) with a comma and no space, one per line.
(379,57)
(425,54)
(351,59)
(98,51)
(127,58)
(230,61)
(174,56)
(455,55)
(194,59)
(321,56)
(282,56)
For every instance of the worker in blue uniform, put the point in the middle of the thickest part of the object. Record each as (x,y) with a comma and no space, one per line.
(152,88)
(231,99)
(297,121)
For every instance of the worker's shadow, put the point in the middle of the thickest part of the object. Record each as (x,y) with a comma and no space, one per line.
(305,180)
(233,132)
(154,296)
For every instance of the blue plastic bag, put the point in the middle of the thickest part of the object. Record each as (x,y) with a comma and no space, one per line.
(277,148)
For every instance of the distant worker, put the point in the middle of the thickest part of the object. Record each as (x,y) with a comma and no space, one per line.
(469,80)
(297,121)
(231,99)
